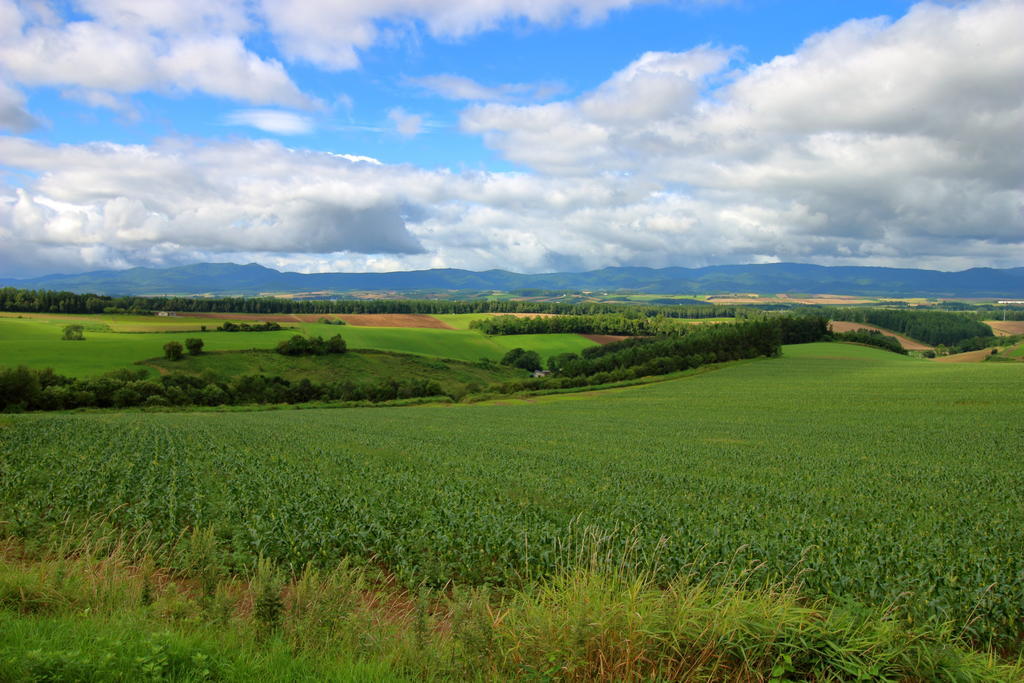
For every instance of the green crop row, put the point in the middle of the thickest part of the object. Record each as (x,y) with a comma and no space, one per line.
(868,476)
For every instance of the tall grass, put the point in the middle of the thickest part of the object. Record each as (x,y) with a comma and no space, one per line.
(601,618)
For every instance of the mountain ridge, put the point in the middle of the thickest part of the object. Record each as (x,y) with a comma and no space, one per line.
(253,279)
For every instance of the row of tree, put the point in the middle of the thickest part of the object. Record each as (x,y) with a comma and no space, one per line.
(22,388)
(311,346)
(46,301)
(268,326)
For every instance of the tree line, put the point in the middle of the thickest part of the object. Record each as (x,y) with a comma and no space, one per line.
(46,301)
(23,388)
(616,324)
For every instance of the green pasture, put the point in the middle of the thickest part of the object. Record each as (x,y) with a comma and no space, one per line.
(460,345)
(863,475)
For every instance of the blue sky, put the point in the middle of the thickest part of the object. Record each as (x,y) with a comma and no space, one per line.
(532,136)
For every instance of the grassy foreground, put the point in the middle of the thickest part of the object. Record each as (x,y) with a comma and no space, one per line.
(112,615)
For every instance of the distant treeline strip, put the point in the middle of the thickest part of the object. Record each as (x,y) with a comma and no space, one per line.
(45,301)
(931,327)
(579,324)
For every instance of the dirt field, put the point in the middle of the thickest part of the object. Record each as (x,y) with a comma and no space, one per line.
(604,338)
(359,320)
(395,320)
(905,342)
(1005,328)
(969,357)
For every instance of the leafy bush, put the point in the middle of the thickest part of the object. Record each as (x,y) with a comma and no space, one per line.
(173,350)
(73,333)
(194,346)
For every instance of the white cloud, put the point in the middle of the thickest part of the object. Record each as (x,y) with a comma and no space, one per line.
(455,87)
(886,133)
(271,121)
(134,201)
(407,125)
(126,47)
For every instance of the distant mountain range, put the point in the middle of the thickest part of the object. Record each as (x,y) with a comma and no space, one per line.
(250,280)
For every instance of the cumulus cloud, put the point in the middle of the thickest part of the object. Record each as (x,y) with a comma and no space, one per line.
(271,121)
(407,125)
(877,139)
(878,142)
(257,196)
(126,47)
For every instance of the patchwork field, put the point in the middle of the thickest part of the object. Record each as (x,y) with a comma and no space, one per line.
(115,342)
(887,480)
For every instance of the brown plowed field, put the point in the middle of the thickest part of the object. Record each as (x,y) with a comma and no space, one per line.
(905,342)
(395,320)
(968,357)
(604,338)
(357,319)
(1006,328)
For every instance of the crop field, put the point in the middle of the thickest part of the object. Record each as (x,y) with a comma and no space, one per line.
(868,476)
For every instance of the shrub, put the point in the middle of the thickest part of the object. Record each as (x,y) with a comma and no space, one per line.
(194,346)
(173,350)
(73,333)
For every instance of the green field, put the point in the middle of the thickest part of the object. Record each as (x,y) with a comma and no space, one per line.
(872,477)
(36,342)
